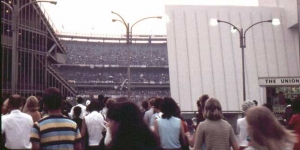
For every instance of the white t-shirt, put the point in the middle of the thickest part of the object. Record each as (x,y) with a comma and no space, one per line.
(83,111)
(242,126)
(17,128)
(94,122)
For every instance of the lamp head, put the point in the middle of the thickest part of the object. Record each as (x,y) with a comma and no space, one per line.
(233,29)
(165,18)
(53,2)
(213,22)
(113,20)
(275,22)
(159,17)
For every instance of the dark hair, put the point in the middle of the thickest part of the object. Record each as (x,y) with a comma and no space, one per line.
(15,101)
(296,105)
(151,100)
(79,100)
(77,111)
(255,102)
(132,132)
(93,106)
(100,97)
(288,101)
(169,107)
(202,100)
(110,102)
(269,106)
(122,99)
(52,98)
(39,94)
(145,105)
(213,109)
(158,102)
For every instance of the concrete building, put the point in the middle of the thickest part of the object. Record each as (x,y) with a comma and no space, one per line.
(206,59)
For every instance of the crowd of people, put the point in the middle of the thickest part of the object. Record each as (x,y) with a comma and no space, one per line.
(113,54)
(87,75)
(48,121)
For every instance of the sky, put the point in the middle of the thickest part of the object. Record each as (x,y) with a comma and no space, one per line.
(94,17)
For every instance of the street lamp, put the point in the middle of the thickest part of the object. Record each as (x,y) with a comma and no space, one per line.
(242,34)
(15,9)
(129,33)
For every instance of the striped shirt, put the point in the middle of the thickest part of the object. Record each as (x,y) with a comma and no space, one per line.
(55,132)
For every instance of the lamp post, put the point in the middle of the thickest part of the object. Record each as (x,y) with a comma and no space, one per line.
(129,34)
(15,9)
(242,35)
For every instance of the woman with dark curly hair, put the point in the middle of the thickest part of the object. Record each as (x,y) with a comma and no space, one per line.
(127,129)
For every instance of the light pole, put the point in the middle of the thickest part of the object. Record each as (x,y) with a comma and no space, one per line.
(15,9)
(129,33)
(242,34)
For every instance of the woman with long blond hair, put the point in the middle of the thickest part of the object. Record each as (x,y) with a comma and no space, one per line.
(266,133)
(31,107)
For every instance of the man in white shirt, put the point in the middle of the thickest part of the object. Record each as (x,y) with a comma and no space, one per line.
(83,108)
(242,125)
(16,126)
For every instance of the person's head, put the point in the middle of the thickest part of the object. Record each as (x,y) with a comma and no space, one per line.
(264,129)
(151,101)
(158,102)
(127,128)
(105,99)
(39,95)
(213,109)
(5,108)
(15,102)
(110,102)
(296,105)
(288,101)
(121,99)
(52,99)
(77,111)
(247,104)
(32,104)
(255,102)
(169,107)
(201,102)
(100,97)
(93,106)
(269,106)
(23,101)
(79,100)
(145,105)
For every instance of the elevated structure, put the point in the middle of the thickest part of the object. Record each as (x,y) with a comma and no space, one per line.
(37,46)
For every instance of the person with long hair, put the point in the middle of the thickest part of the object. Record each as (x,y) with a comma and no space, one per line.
(294,122)
(265,132)
(31,107)
(169,128)
(216,133)
(127,129)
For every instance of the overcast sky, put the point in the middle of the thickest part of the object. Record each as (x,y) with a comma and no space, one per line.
(94,16)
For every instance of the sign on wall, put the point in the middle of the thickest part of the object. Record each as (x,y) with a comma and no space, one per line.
(279,81)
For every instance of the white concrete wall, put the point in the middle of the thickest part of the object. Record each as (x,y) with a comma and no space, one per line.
(206,59)
(290,7)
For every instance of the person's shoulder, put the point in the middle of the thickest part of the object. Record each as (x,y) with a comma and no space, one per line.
(226,123)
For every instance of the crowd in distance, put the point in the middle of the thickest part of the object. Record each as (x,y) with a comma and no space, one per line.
(47,121)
